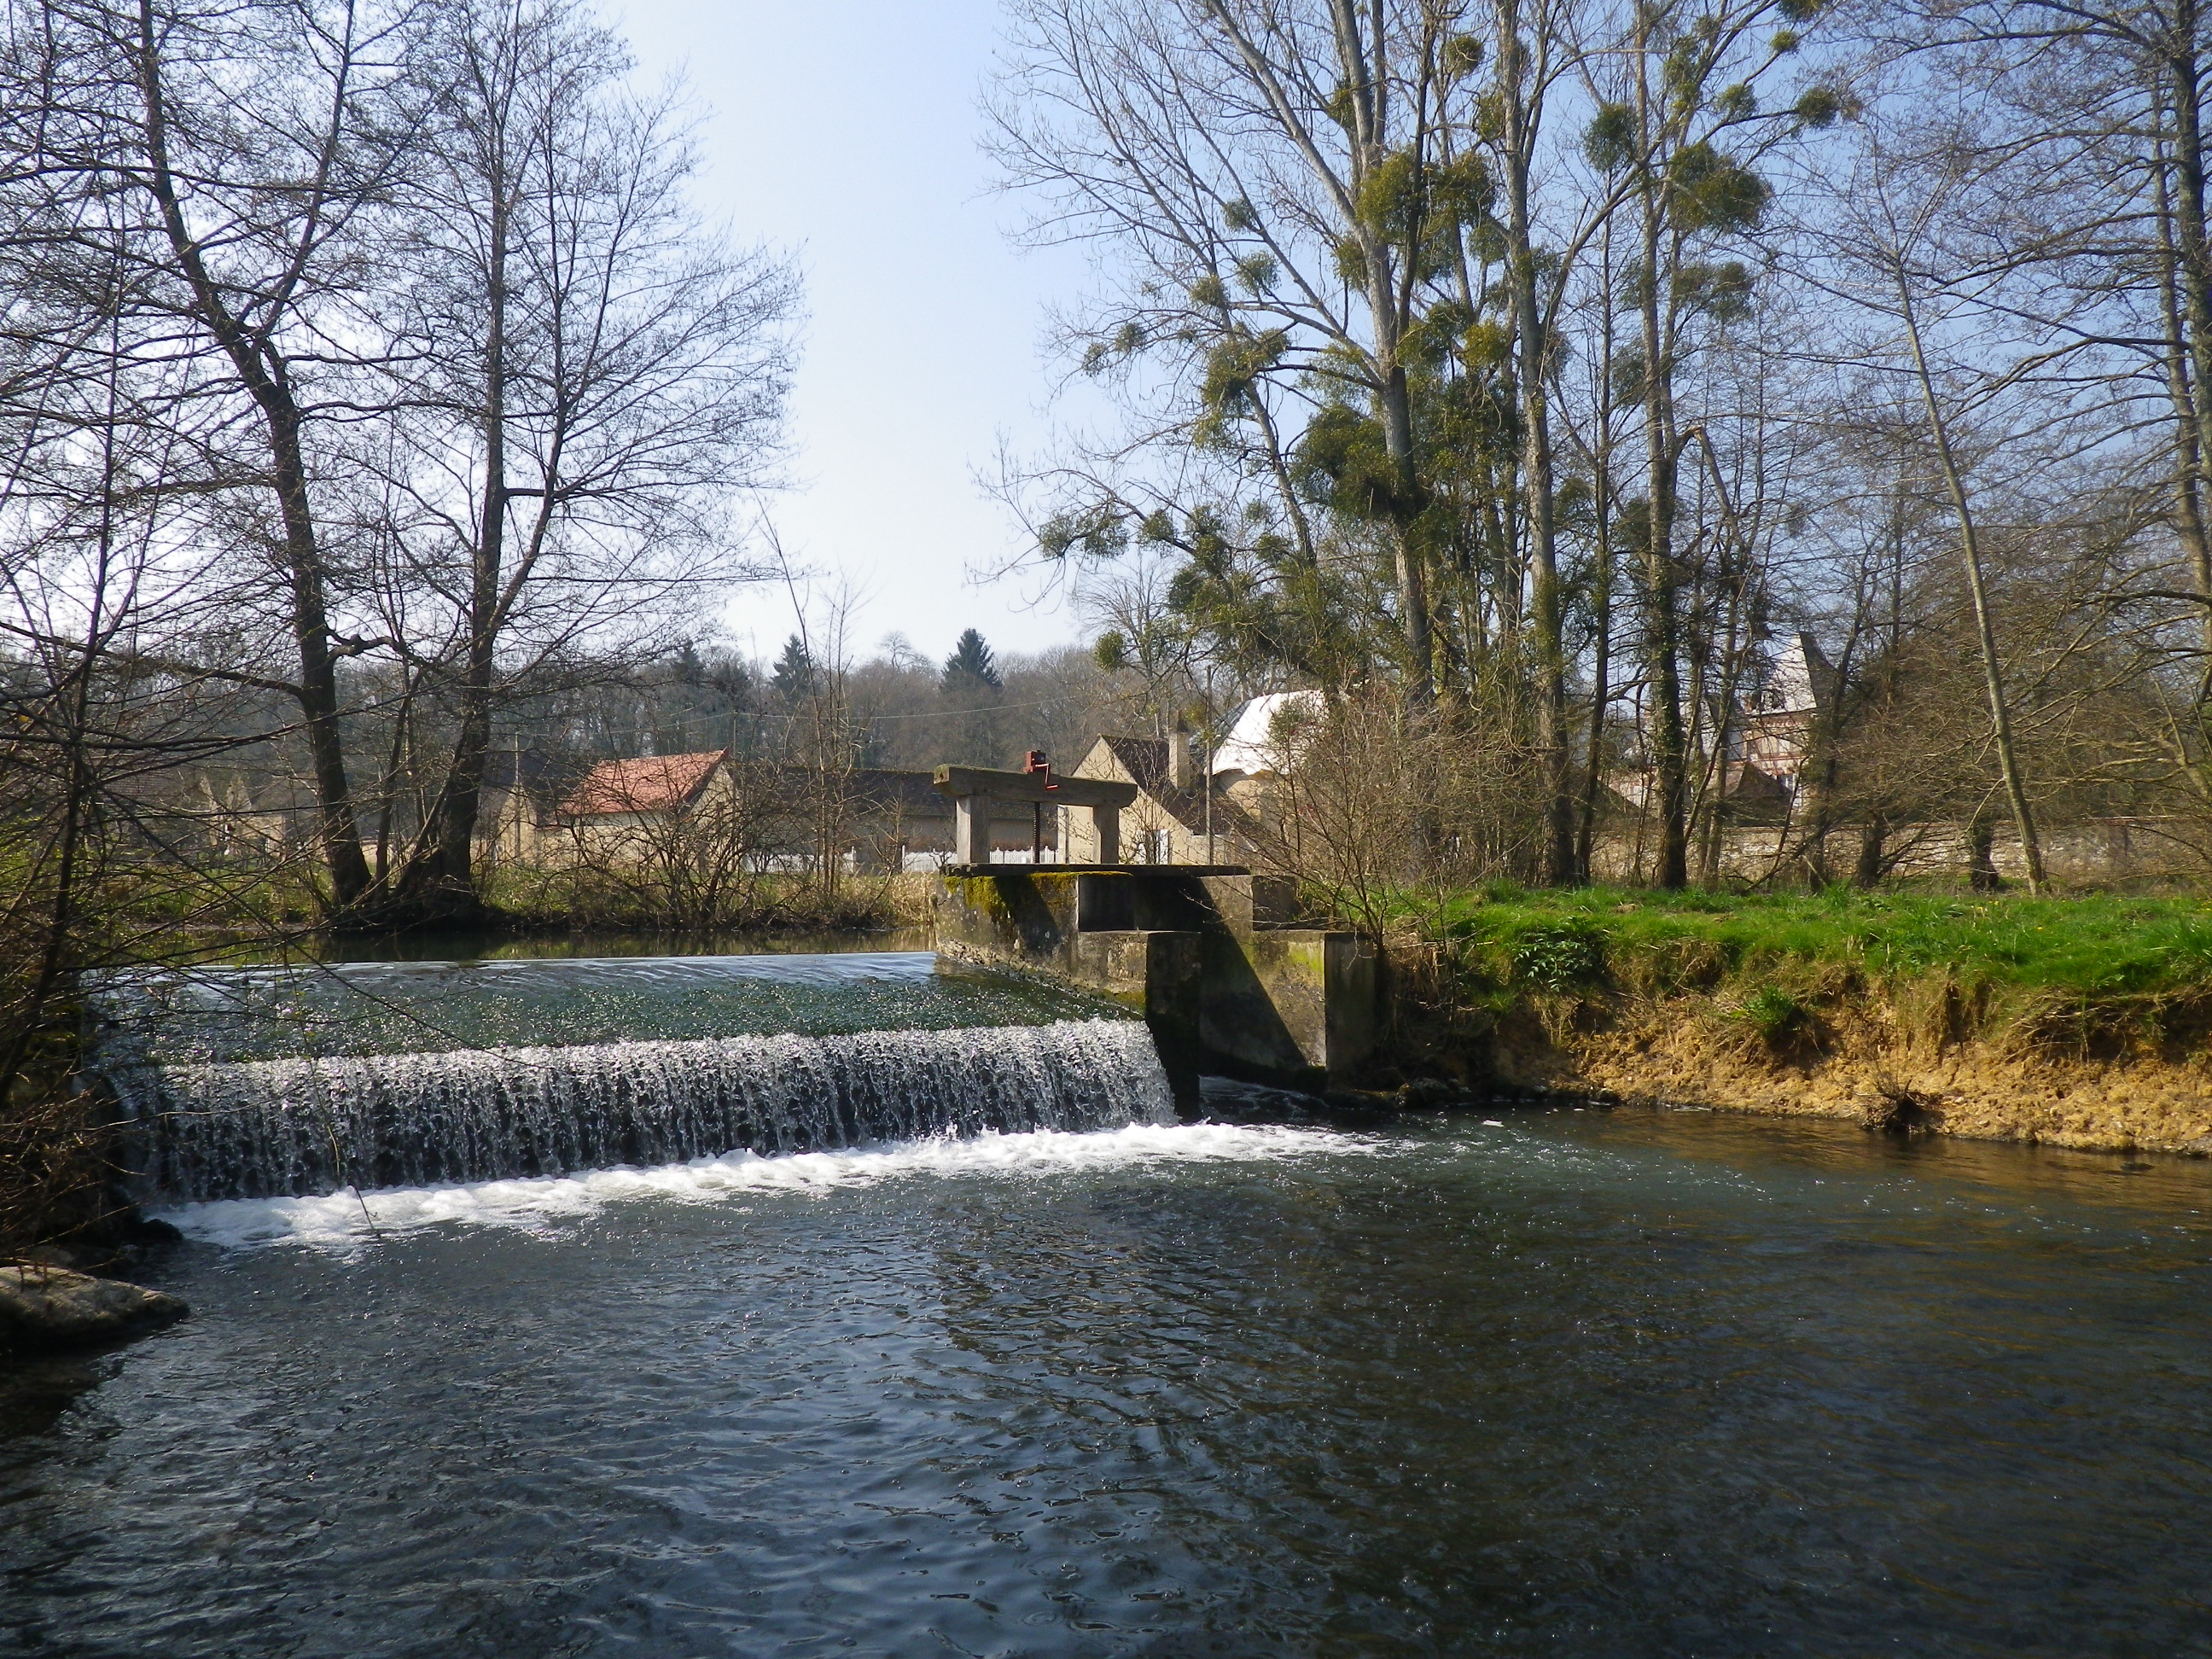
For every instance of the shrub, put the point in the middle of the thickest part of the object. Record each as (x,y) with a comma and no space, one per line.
(1562,958)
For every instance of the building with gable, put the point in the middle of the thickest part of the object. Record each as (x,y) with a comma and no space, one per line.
(1770,734)
(1196,806)
(887,819)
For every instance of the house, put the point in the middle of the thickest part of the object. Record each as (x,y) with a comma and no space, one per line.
(1777,717)
(1179,817)
(884,819)
(1770,737)
(1265,737)
(617,796)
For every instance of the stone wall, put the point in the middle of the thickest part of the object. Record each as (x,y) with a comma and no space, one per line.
(2086,853)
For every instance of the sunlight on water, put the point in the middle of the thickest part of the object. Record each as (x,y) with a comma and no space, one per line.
(807,1305)
(1604,1384)
(201,1015)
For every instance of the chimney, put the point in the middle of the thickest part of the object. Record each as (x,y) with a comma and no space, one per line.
(1181,772)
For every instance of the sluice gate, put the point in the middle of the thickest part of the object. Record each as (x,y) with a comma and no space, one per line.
(1214,956)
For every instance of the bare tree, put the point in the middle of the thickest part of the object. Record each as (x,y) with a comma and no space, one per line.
(1349,242)
(1679,117)
(264,142)
(590,375)
(105,850)
(1924,301)
(462,381)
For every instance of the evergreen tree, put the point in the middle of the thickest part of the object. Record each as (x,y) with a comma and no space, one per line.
(970,661)
(678,698)
(971,686)
(737,716)
(793,678)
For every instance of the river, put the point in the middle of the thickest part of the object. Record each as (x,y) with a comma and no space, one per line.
(1565,1382)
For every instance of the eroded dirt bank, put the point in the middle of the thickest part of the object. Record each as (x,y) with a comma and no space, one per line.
(2082,1020)
(1865,1066)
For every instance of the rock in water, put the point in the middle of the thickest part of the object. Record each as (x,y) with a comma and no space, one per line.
(43,1307)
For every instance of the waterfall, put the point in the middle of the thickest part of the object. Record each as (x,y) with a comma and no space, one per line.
(269,1128)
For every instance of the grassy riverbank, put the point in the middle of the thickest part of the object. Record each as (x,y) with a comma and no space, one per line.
(2007,951)
(2085,1021)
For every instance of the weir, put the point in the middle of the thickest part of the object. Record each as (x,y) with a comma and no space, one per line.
(265,1082)
(278,1127)
(1132,981)
(1229,987)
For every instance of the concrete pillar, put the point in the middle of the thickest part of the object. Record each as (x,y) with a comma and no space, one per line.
(971,830)
(1106,825)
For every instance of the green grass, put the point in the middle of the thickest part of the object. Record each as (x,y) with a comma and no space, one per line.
(2089,947)
(1772,1012)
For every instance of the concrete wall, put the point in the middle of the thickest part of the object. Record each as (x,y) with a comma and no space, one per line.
(1222,991)
(512,833)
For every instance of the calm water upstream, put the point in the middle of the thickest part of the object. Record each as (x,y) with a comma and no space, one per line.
(1579,1383)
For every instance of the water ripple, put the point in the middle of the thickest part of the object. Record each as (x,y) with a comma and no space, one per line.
(1586,1385)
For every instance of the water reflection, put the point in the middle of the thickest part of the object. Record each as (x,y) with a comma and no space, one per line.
(1596,1384)
(199,1015)
(499,945)
(2162,1188)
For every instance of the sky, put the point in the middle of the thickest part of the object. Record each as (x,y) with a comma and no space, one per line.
(848,134)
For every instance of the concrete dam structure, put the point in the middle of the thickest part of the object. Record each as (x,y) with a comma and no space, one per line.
(1214,956)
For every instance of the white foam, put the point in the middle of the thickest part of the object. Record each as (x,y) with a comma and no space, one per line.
(268,1129)
(345,1222)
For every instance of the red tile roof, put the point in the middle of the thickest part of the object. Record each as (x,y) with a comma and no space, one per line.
(656,783)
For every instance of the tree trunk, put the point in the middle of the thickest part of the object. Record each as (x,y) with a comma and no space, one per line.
(1669,745)
(1985,629)
(2184,387)
(310,632)
(1559,861)
(1874,838)
(1396,400)
(1669,794)
(2190,324)
(1369,89)
(265,373)
(1600,689)
(2190,446)
(442,884)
